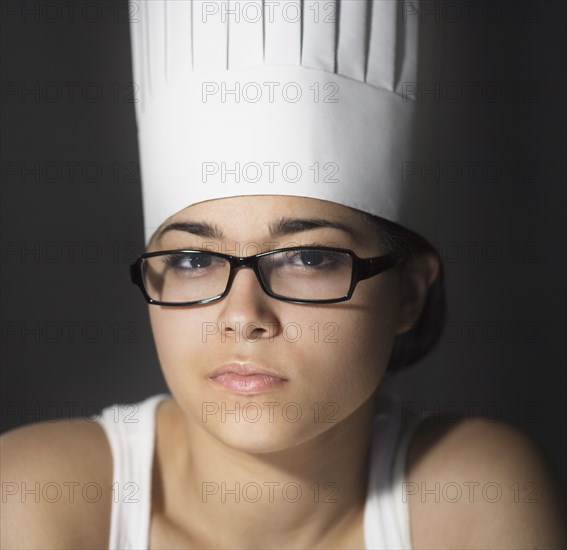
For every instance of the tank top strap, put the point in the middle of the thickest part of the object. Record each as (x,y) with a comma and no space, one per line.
(386,514)
(130,429)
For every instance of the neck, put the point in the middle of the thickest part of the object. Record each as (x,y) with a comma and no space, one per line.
(300,496)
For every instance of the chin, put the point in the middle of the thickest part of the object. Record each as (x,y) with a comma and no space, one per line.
(263,437)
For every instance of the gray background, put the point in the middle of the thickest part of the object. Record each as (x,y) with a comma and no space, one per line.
(75,333)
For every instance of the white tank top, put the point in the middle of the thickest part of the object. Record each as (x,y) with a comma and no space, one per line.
(130,429)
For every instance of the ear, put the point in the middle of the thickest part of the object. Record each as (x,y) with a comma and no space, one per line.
(416,277)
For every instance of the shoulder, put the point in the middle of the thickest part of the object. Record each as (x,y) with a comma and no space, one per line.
(476,483)
(56,485)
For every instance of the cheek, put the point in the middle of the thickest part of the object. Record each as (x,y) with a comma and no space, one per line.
(186,354)
(173,339)
(376,325)
(356,363)
(178,334)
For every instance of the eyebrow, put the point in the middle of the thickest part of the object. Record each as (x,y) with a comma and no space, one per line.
(277,228)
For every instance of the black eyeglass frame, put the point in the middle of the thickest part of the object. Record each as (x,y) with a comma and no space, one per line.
(362,268)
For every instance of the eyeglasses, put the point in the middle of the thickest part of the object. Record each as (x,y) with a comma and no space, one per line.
(300,274)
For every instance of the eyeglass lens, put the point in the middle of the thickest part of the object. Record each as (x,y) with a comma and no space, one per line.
(304,274)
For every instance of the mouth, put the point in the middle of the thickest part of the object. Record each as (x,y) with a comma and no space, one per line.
(246,378)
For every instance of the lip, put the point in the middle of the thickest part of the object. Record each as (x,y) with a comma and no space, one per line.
(244,369)
(246,378)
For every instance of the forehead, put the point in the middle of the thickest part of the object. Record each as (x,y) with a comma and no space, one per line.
(236,208)
(241,221)
(270,216)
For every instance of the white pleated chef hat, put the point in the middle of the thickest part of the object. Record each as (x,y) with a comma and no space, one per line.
(312,98)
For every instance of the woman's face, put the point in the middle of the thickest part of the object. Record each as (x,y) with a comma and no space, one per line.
(332,356)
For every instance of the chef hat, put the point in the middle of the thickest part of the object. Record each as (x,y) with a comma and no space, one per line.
(312,98)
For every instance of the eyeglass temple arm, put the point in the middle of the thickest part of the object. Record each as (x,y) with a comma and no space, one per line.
(372,266)
(135,273)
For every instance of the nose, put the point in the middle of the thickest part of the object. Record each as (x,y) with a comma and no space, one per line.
(247,305)
(247,279)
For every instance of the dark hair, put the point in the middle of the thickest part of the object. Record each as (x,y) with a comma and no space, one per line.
(411,346)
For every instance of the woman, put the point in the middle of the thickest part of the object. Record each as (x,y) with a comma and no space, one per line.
(228,474)
(295,449)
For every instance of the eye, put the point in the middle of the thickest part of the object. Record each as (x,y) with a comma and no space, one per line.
(315,259)
(309,257)
(190,262)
